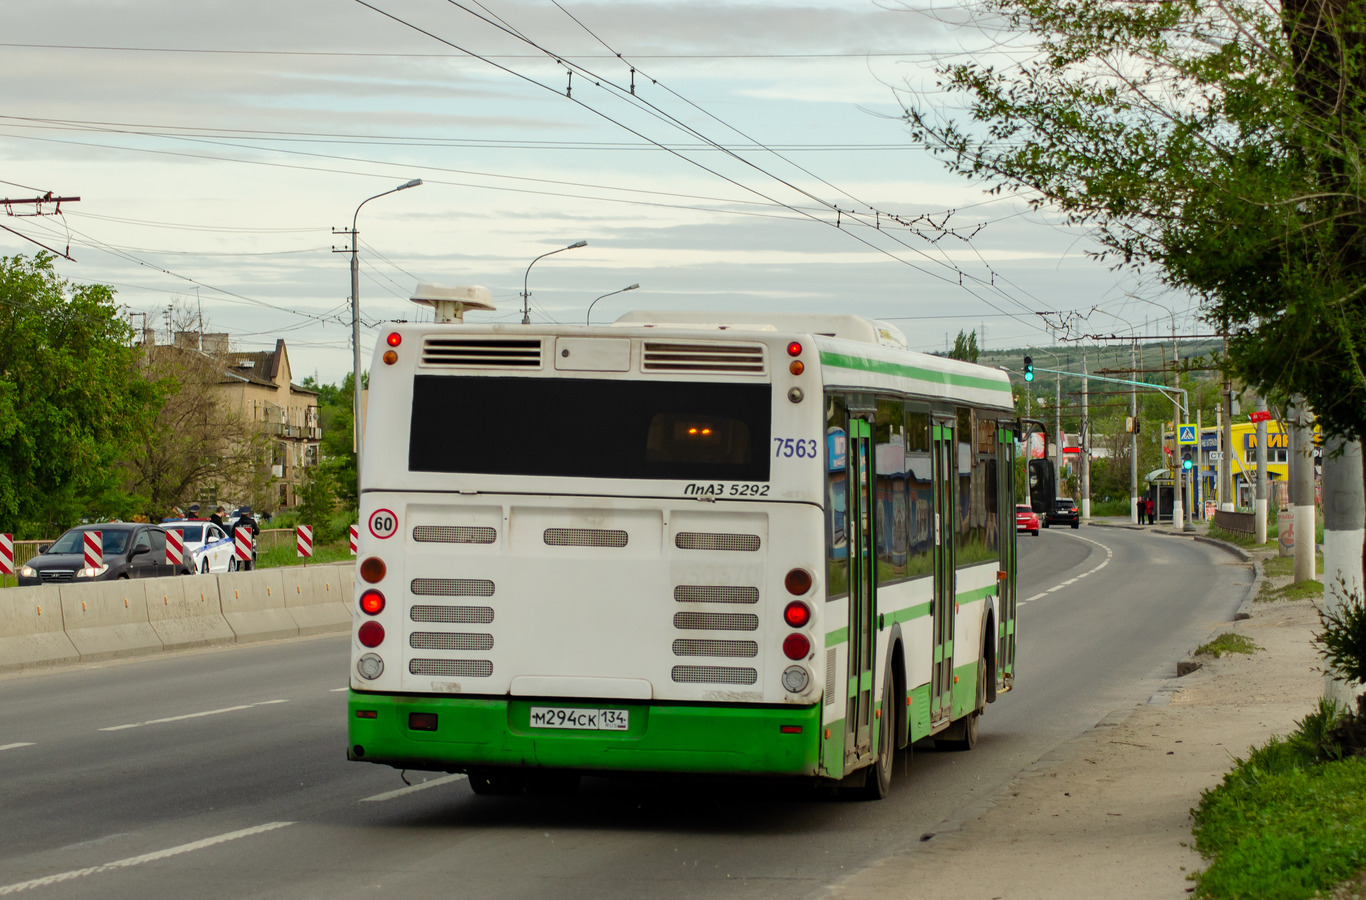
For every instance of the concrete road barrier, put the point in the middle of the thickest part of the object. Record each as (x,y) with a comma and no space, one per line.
(254,605)
(31,629)
(319,597)
(107,619)
(185,612)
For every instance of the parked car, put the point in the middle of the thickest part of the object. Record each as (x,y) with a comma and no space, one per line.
(1026,519)
(1064,512)
(129,550)
(208,548)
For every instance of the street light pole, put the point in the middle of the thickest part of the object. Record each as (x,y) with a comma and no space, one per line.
(526,294)
(589,314)
(355,328)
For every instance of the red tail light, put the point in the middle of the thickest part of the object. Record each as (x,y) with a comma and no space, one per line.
(372,603)
(371,634)
(795,646)
(394,339)
(794,349)
(797,614)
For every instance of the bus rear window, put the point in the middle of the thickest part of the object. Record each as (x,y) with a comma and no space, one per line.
(587,428)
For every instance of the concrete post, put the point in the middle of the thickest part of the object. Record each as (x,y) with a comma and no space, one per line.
(1084,441)
(1302,487)
(1344,532)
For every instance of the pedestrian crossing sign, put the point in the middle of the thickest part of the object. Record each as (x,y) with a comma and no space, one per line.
(1185,434)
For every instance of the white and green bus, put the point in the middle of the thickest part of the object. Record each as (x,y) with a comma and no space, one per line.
(727,544)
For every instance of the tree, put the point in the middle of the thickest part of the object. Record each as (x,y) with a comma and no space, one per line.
(965,347)
(337,461)
(197,440)
(70,392)
(1217,141)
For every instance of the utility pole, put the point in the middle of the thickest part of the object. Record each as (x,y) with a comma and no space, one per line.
(1179,481)
(1259,503)
(1133,435)
(1344,528)
(1302,486)
(1227,500)
(1084,439)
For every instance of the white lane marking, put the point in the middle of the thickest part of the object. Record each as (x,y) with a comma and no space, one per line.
(139,860)
(1109,555)
(411,788)
(15,746)
(210,712)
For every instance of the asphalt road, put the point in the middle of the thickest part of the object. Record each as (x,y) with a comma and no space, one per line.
(222,773)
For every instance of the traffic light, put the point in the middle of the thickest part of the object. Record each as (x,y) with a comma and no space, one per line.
(1186,462)
(1029,368)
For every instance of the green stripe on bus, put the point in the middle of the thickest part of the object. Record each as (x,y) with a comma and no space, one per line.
(712,739)
(837,637)
(918,611)
(976,594)
(919,373)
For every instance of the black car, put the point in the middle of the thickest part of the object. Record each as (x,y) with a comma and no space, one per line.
(1064,512)
(130,550)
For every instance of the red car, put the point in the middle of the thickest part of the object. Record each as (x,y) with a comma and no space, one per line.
(1026,520)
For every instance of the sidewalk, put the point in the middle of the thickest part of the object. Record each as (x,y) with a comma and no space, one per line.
(1108,814)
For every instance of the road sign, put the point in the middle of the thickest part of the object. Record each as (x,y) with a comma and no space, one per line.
(94,549)
(241,543)
(304,540)
(1186,435)
(1259,415)
(1215,455)
(6,554)
(175,546)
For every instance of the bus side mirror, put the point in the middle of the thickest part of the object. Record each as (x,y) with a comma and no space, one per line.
(1041,485)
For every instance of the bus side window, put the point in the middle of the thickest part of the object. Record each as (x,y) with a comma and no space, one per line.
(836,498)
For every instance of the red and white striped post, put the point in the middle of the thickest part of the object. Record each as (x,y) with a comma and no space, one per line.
(355,536)
(175,546)
(241,544)
(304,539)
(94,549)
(7,553)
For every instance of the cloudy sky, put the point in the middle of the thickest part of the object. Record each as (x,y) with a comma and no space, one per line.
(722,155)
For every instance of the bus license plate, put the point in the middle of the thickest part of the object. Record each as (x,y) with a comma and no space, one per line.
(580,719)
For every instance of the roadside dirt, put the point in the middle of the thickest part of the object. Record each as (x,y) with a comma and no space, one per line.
(1108,814)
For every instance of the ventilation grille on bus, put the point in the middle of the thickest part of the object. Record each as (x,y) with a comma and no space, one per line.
(585,537)
(440,640)
(464,668)
(831,677)
(713,675)
(460,615)
(693,647)
(692,540)
(715,593)
(481,353)
(454,534)
(452,587)
(701,621)
(676,356)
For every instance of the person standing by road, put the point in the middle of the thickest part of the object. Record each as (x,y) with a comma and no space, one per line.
(217,517)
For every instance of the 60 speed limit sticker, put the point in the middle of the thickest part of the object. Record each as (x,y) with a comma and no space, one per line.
(383,523)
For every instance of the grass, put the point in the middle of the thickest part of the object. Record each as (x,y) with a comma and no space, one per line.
(1284,566)
(287,555)
(1227,643)
(1299,590)
(1238,539)
(1289,822)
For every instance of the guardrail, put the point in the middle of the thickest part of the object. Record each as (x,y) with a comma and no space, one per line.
(49,625)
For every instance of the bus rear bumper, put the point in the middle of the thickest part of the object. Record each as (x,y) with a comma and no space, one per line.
(456,733)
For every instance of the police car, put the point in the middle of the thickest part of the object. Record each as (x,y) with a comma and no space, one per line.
(208,548)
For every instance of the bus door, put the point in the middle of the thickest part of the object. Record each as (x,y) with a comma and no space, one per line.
(945,528)
(858,730)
